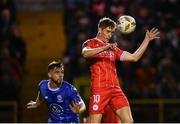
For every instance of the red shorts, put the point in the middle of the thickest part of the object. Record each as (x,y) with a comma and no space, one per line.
(112,96)
(109,116)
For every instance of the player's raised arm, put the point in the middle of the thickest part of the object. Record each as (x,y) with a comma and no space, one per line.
(150,35)
(35,104)
(90,52)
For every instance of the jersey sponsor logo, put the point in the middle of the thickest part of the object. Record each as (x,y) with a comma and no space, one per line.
(106,54)
(59,98)
(56,109)
(95,107)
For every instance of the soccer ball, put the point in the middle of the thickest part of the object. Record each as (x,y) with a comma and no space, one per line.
(126,24)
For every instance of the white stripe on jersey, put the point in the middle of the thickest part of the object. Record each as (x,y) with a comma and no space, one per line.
(105,71)
(99,76)
(122,56)
(110,67)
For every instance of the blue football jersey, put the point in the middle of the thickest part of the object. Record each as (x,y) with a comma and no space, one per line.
(58,101)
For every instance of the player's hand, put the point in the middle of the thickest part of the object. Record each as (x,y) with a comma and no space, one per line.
(32,104)
(152,34)
(75,107)
(111,46)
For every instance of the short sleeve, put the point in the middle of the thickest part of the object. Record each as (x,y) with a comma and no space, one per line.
(119,54)
(87,43)
(75,95)
(40,85)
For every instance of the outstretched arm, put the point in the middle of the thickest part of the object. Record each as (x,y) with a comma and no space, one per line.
(77,108)
(35,104)
(90,52)
(150,35)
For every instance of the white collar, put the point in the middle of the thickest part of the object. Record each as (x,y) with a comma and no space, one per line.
(52,89)
(98,39)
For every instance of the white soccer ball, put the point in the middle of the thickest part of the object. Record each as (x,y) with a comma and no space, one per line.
(126,24)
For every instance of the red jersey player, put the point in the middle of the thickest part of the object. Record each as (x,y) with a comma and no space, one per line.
(105,88)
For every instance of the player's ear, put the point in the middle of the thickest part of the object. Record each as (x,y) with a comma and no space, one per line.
(49,74)
(100,30)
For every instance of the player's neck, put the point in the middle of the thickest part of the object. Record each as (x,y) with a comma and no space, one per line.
(55,85)
(100,38)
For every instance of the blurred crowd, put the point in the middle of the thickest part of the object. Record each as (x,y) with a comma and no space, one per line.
(12,52)
(156,74)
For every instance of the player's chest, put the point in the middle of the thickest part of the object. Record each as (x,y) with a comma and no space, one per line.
(57,102)
(56,97)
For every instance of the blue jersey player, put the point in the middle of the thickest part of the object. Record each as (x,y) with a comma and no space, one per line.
(63,101)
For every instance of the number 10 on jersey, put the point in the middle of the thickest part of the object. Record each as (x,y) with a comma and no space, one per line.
(96,98)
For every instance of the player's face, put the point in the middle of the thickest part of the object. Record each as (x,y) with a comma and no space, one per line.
(57,74)
(106,33)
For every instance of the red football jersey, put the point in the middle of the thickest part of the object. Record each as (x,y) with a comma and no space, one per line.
(102,66)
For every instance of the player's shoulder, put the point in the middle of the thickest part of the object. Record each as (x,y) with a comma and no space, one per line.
(68,85)
(89,41)
(43,82)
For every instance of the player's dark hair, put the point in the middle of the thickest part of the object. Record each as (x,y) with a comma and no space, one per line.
(106,22)
(55,64)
